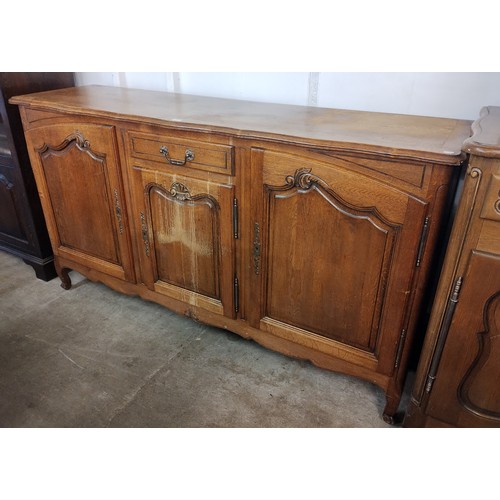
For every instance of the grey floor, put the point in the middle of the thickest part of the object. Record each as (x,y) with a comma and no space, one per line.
(91,357)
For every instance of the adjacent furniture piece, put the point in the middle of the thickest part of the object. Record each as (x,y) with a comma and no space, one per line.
(23,231)
(458,378)
(312,231)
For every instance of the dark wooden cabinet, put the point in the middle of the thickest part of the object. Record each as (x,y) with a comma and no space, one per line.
(458,376)
(312,231)
(23,230)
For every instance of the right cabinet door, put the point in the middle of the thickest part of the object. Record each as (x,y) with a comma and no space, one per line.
(334,257)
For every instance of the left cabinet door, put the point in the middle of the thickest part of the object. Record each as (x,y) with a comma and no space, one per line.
(76,167)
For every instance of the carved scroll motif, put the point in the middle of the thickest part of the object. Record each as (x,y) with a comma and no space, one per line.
(180,191)
(81,142)
(302,179)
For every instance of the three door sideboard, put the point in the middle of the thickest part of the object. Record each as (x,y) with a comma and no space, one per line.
(312,231)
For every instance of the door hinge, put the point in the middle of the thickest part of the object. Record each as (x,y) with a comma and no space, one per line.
(423,239)
(235,218)
(400,347)
(443,332)
(236,294)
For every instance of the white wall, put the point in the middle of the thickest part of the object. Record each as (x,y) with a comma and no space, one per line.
(452,95)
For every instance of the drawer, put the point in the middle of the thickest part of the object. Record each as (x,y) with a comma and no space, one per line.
(182,153)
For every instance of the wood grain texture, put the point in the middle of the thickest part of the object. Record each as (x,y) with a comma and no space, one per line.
(84,220)
(314,245)
(78,177)
(206,156)
(326,231)
(187,239)
(466,386)
(436,139)
(311,231)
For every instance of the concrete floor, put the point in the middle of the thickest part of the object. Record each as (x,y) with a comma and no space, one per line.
(91,357)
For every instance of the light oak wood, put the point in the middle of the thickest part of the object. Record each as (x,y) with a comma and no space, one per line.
(415,136)
(77,173)
(312,231)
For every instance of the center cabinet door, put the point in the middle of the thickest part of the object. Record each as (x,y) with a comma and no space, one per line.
(334,255)
(186,240)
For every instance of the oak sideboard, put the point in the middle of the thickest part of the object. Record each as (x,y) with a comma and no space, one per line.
(313,231)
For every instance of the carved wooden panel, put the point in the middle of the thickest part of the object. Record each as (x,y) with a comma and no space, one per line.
(466,387)
(476,391)
(320,246)
(186,238)
(78,184)
(320,230)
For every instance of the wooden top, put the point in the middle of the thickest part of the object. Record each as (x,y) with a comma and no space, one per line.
(485,140)
(436,139)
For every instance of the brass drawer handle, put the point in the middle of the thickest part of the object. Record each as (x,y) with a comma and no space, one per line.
(189,156)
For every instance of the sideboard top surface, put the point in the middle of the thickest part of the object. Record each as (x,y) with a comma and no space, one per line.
(428,138)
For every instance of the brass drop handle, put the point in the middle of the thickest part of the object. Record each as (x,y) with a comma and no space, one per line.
(189,156)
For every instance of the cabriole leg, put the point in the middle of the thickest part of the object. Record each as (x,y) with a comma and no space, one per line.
(63,274)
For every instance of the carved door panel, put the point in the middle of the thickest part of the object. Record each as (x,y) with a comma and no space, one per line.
(466,388)
(77,172)
(334,256)
(186,238)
